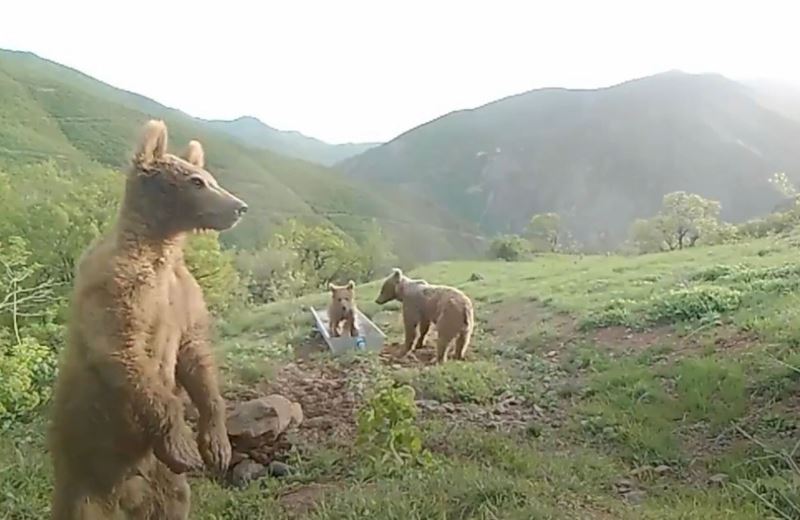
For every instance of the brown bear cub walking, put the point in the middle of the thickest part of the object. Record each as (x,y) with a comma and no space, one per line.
(342,308)
(449,309)
(138,337)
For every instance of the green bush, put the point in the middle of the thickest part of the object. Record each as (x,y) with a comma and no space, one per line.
(692,303)
(387,431)
(27,371)
(713,273)
(511,248)
(616,312)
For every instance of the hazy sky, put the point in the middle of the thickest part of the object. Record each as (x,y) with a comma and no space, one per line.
(346,70)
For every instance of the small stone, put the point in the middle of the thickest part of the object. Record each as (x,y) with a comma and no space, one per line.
(428,404)
(247,471)
(718,479)
(279,469)
(624,484)
(663,469)
(635,497)
(643,470)
(237,457)
(552,354)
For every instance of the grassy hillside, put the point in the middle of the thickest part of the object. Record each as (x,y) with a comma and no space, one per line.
(48,111)
(256,134)
(599,158)
(653,387)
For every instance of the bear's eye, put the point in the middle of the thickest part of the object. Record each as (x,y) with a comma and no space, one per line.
(198,182)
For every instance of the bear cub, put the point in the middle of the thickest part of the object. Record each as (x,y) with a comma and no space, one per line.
(342,308)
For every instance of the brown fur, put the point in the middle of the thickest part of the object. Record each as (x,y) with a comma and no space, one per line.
(138,337)
(449,309)
(342,308)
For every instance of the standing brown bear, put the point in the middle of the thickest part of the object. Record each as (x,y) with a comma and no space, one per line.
(138,337)
(342,308)
(449,309)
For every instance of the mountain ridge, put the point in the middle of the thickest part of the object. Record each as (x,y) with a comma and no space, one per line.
(254,132)
(50,111)
(594,155)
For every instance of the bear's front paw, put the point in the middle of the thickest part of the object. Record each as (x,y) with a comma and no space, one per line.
(215,448)
(178,450)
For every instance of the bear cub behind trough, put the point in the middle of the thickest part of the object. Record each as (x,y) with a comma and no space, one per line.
(342,308)
(137,339)
(449,309)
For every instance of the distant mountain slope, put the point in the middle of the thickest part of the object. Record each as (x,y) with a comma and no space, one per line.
(598,157)
(779,96)
(48,111)
(252,132)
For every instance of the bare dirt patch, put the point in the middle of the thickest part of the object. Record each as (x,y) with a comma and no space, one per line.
(329,404)
(391,355)
(624,339)
(298,502)
(508,414)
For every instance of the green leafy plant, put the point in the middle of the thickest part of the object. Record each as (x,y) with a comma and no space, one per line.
(387,431)
(693,303)
(27,371)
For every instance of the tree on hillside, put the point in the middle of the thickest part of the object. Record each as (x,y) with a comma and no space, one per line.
(24,292)
(683,219)
(510,248)
(376,252)
(545,229)
(781,182)
(214,270)
(324,253)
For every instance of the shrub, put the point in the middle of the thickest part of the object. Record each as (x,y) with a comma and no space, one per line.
(616,312)
(511,248)
(27,371)
(692,303)
(387,431)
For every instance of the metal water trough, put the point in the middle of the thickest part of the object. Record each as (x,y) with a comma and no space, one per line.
(370,338)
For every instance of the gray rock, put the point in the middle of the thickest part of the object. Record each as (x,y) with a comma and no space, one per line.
(247,471)
(635,497)
(279,469)
(718,479)
(259,421)
(663,469)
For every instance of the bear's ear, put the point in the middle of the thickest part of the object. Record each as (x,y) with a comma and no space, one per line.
(397,273)
(194,154)
(153,143)
(351,285)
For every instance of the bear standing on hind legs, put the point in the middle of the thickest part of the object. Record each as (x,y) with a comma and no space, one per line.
(138,337)
(449,309)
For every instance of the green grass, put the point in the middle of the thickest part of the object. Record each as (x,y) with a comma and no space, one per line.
(708,388)
(457,382)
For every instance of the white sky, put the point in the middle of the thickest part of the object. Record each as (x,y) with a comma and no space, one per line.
(347,70)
